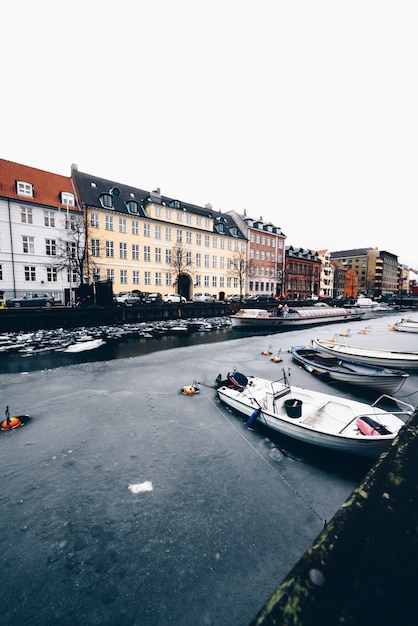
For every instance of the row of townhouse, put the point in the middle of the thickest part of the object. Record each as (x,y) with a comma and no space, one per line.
(57,232)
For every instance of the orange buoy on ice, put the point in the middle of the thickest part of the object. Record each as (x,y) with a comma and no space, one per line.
(190,390)
(9,424)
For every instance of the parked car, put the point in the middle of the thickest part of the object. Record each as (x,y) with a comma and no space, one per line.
(235,298)
(129,299)
(262,297)
(203,297)
(174,297)
(153,298)
(31,299)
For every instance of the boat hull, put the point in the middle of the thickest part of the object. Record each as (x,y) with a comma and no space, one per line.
(373,356)
(325,421)
(368,377)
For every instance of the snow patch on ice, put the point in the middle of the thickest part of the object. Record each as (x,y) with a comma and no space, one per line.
(140,487)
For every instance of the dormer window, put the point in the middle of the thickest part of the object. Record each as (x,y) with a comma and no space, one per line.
(174,204)
(24,189)
(132,206)
(67,198)
(234,231)
(114,191)
(106,200)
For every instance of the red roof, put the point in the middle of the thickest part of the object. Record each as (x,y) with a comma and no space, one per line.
(47,187)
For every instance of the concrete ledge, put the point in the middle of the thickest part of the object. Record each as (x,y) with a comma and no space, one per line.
(361,570)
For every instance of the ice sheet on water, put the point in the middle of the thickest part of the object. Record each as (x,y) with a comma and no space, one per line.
(140,487)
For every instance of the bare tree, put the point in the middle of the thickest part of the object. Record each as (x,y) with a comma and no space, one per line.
(239,269)
(72,248)
(181,261)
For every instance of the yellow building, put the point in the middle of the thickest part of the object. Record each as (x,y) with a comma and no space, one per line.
(149,242)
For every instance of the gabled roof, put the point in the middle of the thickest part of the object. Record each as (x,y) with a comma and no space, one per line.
(47,187)
(90,188)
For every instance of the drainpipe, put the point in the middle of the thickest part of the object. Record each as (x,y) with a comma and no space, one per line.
(11,249)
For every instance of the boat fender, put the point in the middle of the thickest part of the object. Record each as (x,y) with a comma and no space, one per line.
(369,426)
(252,418)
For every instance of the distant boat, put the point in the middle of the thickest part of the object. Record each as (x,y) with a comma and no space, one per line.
(81,346)
(406,325)
(320,419)
(374,356)
(293,317)
(336,369)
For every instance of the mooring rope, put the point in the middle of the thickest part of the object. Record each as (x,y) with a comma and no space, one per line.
(282,478)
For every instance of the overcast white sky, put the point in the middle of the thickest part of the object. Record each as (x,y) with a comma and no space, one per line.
(302,112)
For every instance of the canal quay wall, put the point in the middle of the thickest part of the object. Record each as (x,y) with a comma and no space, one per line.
(15,320)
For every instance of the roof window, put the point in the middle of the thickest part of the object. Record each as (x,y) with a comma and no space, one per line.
(24,189)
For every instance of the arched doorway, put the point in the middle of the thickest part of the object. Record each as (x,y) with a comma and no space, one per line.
(184,284)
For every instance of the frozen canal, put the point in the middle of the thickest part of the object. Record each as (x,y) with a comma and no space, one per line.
(124,502)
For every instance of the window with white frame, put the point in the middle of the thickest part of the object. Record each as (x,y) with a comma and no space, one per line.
(222,262)
(198,221)
(123,277)
(228,282)
(135,227)
(122,225)
(214,242)
(179,236)
(198,281)
(94,220)
(26,215)
(52,274)
(198,260)
(147,253)
(147,278)
(135,277)
(221,282)
(208,223)
(168,214)
(106,200)
(24,189)
(110,275)
(198,239)
(188,258)
(50,247)
(110,249)
(49,219)
(214,281)
(147,230)
(222,242)
(229,244)
(188,218)
(95,247)
(206,281)
(135,252)
(158,255)
(207,241)
(179,216)
(214,261)
(28,244)
(109,222)
(158,211)
(168,233)
(158,232)
(168,279)
(123,250)
(30,273)
(158,278)
(188,238)
(168,257)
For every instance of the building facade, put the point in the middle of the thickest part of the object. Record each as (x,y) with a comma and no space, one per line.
(265,256)
(377,271)
(38,217)
(153,243)
(302,273)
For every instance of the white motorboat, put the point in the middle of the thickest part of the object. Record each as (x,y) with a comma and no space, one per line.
(320,419)
(293,317)
(406,325)
(374,356)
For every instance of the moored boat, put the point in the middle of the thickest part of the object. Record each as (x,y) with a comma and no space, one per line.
(406,325)
(336,369)
(320,419)
(374,356)
(293,317)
